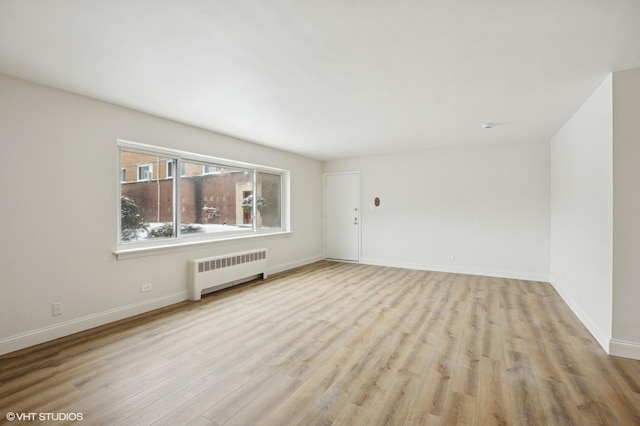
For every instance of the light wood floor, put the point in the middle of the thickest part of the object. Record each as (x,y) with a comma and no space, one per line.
(334,343)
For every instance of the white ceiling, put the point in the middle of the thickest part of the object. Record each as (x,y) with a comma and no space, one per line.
(331,78)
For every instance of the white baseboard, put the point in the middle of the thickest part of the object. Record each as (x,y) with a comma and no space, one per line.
(516,275)
(624,349)
(290,265)
(611,346)
(44,334)
(599,335)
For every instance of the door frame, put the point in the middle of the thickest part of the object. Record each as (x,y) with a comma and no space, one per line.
(324,212)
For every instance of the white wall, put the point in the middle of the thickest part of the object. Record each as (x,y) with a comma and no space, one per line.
(626,213)
(58,189)
(581,212)
(487,206)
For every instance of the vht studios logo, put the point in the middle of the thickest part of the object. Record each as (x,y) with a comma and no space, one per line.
(43,417)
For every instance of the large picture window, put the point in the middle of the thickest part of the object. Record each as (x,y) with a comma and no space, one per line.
(210,198)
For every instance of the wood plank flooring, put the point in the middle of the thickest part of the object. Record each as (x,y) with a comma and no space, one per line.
(335,343)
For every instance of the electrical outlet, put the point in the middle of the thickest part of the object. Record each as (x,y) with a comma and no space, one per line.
(145,287)
(57,308)
(451,258)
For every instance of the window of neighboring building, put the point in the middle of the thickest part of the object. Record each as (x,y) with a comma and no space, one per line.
(209,169)
(170,165)
(211,199)
(145,172)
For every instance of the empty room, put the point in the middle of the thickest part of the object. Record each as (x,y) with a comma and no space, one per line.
(242,212)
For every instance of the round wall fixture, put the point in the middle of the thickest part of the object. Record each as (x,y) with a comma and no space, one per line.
(376,202)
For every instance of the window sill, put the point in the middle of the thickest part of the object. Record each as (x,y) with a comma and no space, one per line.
(123,253)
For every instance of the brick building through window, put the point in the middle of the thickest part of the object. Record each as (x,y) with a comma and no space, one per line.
(208,193)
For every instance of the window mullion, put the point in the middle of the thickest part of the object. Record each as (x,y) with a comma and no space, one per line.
(254,207)
(176,197)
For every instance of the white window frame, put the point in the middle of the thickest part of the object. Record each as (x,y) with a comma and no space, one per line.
(126,249)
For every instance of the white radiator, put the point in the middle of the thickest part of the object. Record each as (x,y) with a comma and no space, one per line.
(216,273)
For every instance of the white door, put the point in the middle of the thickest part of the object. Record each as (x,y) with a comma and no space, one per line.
(342,216)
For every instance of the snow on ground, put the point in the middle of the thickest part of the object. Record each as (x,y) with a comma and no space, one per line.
(208,228)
